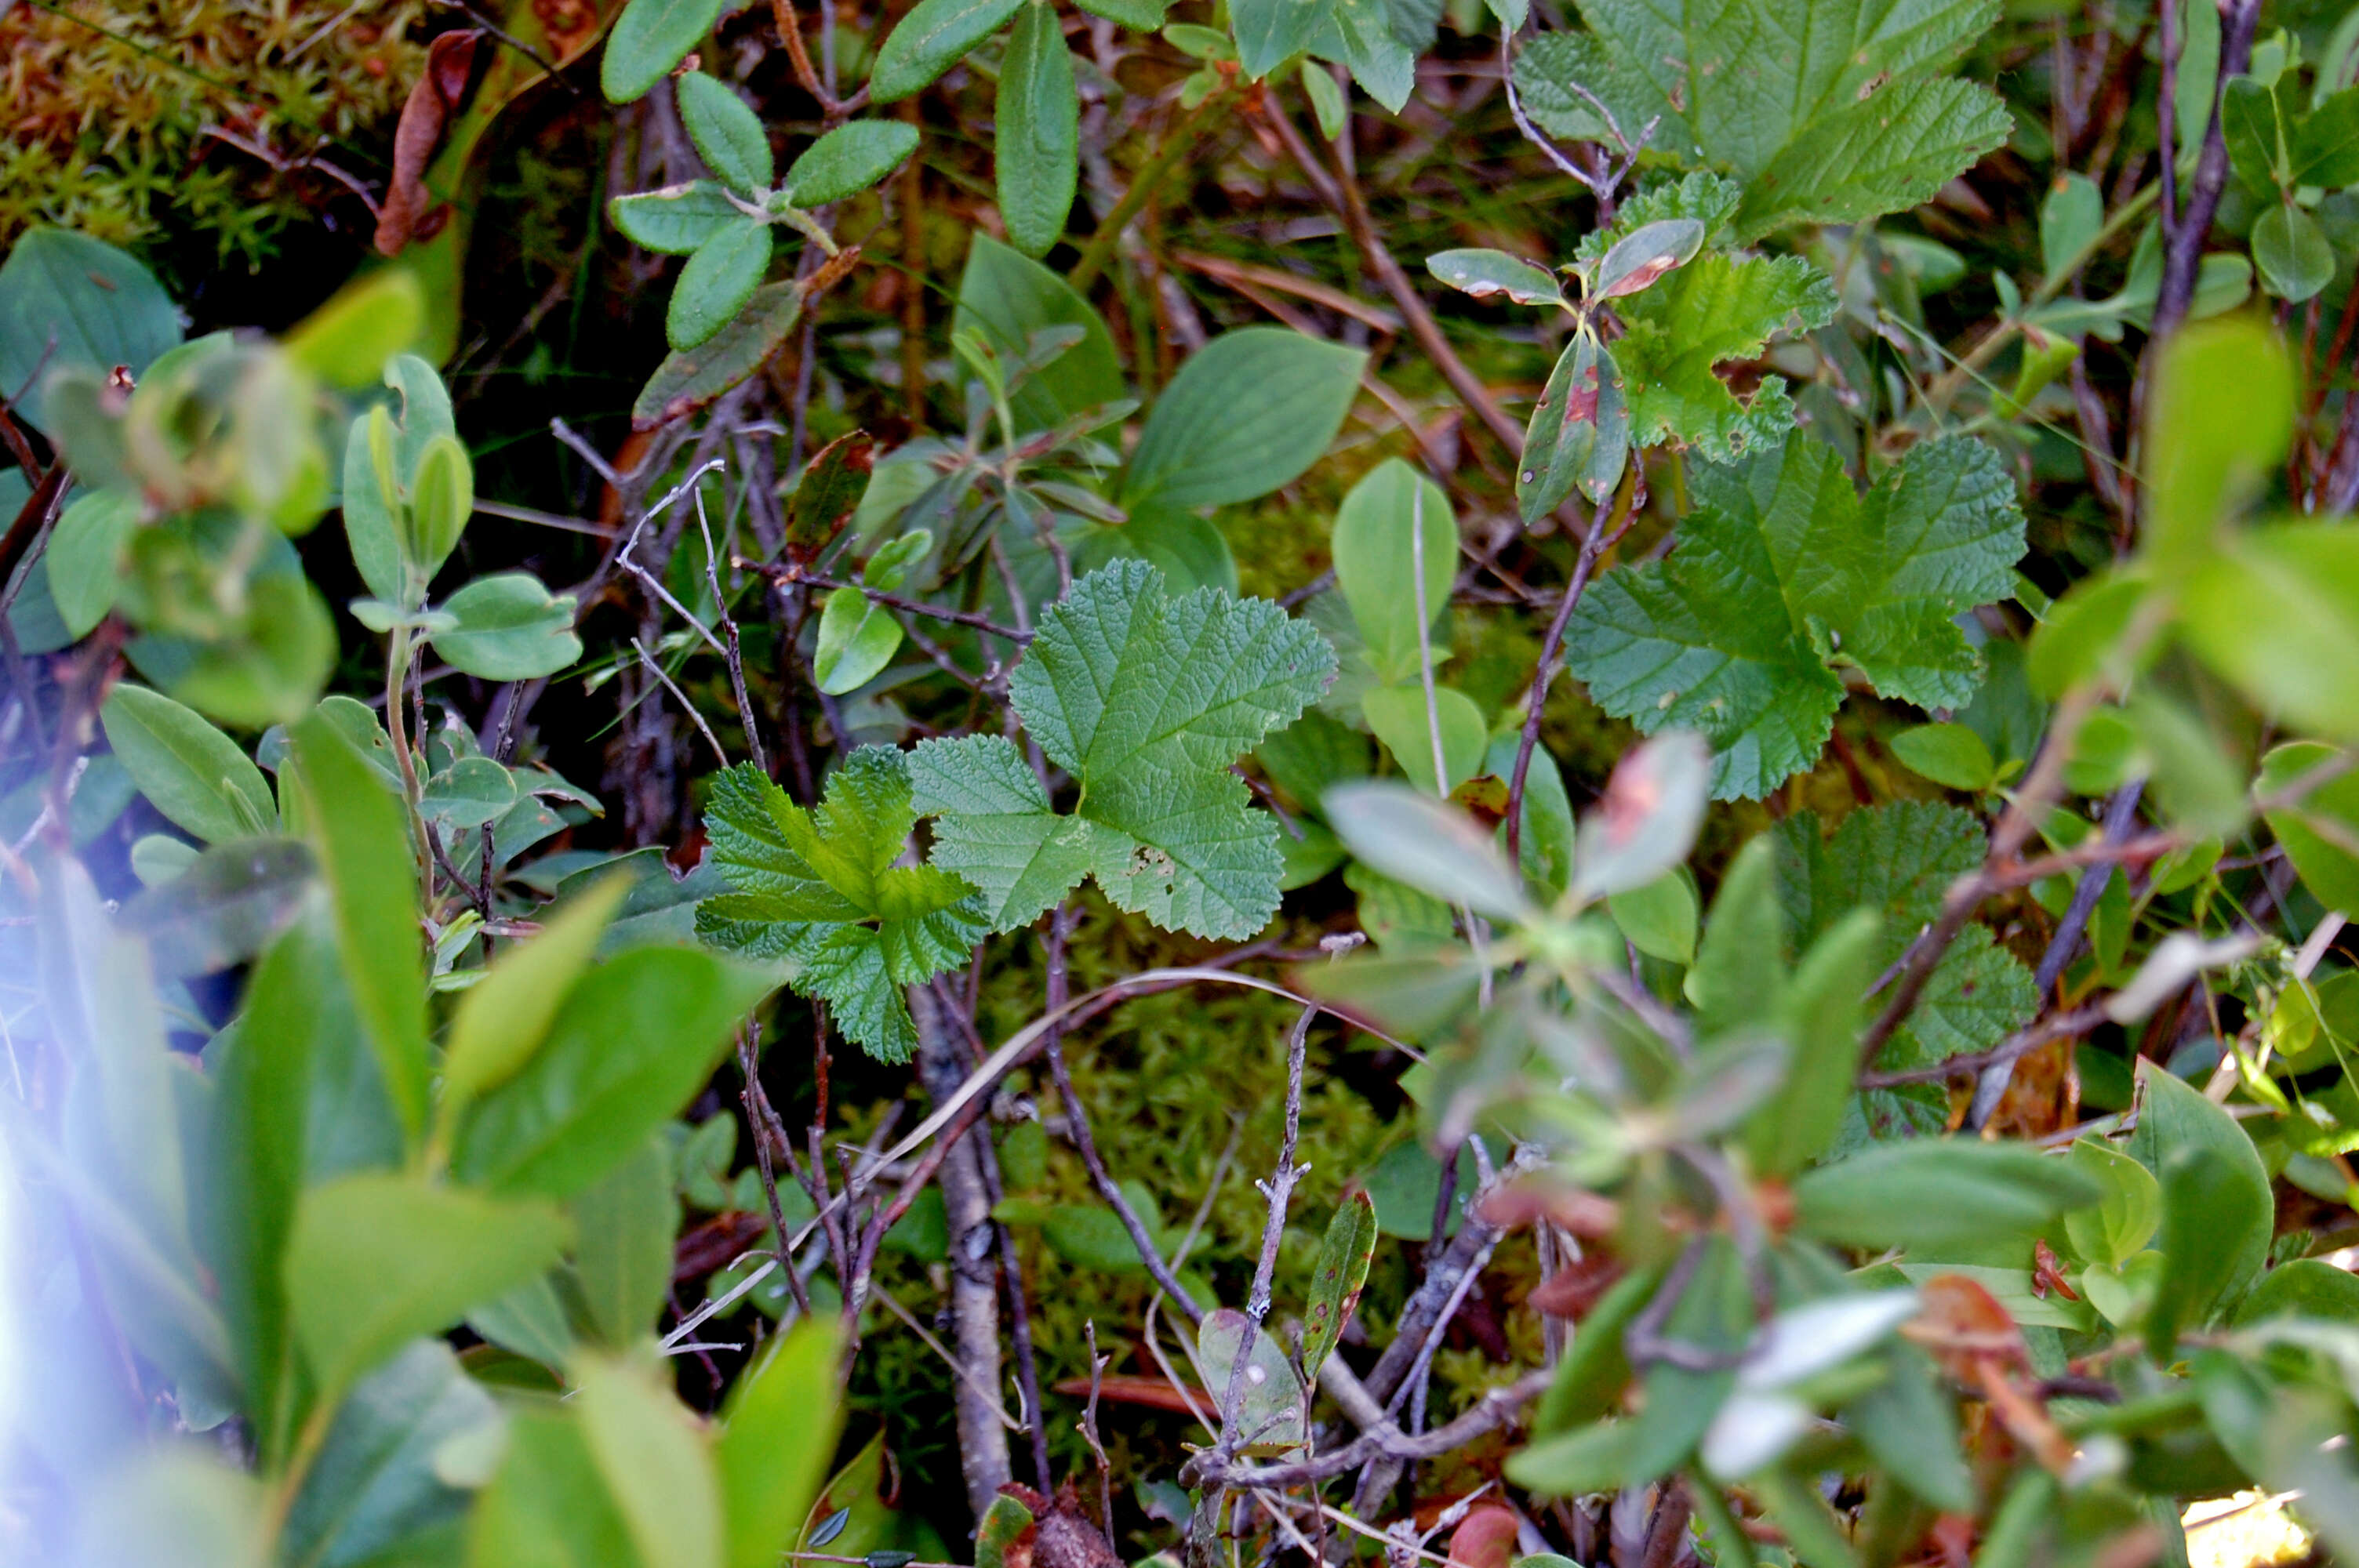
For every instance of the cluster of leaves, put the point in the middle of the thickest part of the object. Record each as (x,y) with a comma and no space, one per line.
(370,1052)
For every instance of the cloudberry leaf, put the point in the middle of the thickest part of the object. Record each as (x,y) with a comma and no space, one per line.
(1783,572)
(1828,113)
(819,888)
(1146,700)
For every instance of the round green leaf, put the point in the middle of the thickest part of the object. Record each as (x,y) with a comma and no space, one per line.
(510,628)
(82,559)
(1947,755)
(2291,252)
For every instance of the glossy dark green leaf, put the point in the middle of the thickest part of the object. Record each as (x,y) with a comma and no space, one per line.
(1336,1279)
(1035,154)
(929,40)
(630,1045)
(728,135)
(2326,145)
(717,282)
(648,40)
(848,160)
(674,220)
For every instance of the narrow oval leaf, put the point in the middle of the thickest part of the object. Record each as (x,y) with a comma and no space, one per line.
(441,499)
(1483,274)
(198,777)
(1335,1283)
(83,560)
(675,219)
(504,1017)
(775,1446)
(848,160)
(728,135)
(1644,253)
(717,282)
(650,38)
(1434,848)
(1035,154)
(1562,435)
(929,40)
(691,380)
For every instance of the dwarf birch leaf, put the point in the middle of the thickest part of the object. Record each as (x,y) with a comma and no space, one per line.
(1783,572)
(1146,700)
(820,889)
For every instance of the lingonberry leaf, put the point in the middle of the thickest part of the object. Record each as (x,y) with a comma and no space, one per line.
(820,889)
(1783,572)
(1828,115)
(1146,700)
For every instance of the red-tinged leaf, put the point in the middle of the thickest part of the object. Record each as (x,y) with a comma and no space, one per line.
(1485,1539)
(1343,1270)
(829,493)
(1644,253)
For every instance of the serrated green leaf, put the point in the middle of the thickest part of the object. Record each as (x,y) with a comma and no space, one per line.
(848,160)
(1781,573)
(673,220)
(1897,861)
(717,282)
(929,40)
(1146,700)
(1716,309)
(819,888)
(1827,114)
(727,133)
(648,38)
(1035,154)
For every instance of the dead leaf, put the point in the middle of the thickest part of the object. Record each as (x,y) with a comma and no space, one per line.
(1530,1199)
(1571,1291)
(409,211)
